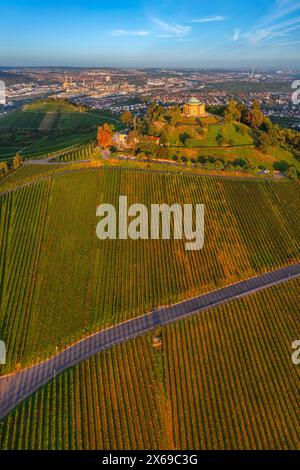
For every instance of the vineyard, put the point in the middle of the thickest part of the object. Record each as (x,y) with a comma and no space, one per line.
(59,282)
(28,173)
(223,379)
(84,152)
(50,147)
(18,119)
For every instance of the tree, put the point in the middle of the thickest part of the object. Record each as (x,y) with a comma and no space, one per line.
(104,135)
(154,112)
(234,110)
(126,118)
(174,114)
(292,173)
(220,139)
(163,153)
(240,162)
(228,118)
(263,142)
(184,137)
(138,124)
(266,125)
(149,128)
(255,115)
(244,113)
(164,137)
(3,169)
(281,166)
(201,159)
(133,138)
(219,165)
(200,130)
(17,161)
(272,131)
(146,146)
(273,135)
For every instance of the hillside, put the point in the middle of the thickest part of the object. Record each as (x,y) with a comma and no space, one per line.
(48,125)
(58,277)
(240,137)
(51,105)
(189,134)
(216,141)
(51,125)
(222,380)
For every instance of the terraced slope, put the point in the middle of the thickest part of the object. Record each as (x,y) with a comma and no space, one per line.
(59,281)
(223,379)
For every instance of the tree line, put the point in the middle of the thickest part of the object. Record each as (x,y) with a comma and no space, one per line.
(6,167)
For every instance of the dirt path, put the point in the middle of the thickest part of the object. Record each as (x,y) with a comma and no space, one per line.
(47,121)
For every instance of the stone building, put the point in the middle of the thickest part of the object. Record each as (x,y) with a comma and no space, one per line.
(194,108)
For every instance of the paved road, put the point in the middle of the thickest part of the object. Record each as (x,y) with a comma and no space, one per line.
(16,387)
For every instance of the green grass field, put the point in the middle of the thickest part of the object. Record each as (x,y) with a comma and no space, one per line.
(186,134)
(234,133)
(194,121)
(224,379)
(58,277)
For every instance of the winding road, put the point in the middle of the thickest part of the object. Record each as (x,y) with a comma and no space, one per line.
(16,387)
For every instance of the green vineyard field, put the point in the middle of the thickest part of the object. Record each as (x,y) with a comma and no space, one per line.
(224,379)
(59,282)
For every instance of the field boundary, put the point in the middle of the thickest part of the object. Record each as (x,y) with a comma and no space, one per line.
(48,121)
(144,170)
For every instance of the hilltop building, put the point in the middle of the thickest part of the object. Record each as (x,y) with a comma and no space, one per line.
(120,139)
(194,108)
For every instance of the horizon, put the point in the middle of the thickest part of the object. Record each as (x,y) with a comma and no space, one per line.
(269,69)
(141,34)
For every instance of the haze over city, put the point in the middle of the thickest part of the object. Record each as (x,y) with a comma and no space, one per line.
(150,33)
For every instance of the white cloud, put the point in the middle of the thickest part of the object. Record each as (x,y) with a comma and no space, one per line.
(236,35)
(210,19)
(259,35)
(124,32)
(280,9)
(171,30)
(278,23)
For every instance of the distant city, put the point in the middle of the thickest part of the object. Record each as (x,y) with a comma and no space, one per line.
(117,90)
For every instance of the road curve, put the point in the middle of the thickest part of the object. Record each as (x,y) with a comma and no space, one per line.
(16,387)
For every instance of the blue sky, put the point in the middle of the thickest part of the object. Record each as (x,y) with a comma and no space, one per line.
(165,33)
